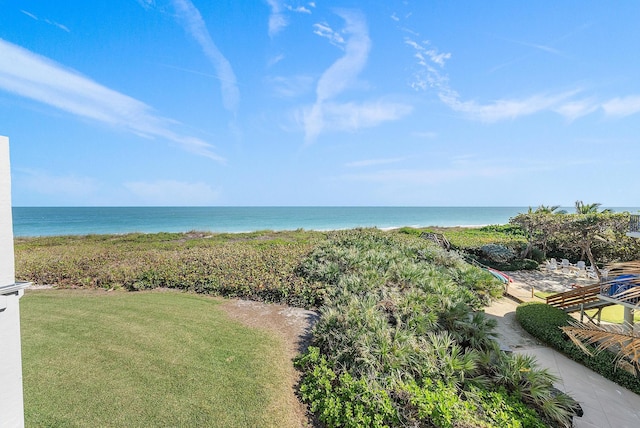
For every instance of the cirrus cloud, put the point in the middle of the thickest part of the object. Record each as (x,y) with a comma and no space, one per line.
(624,106)
(32,76)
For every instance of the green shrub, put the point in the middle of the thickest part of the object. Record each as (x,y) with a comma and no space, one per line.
(466,239)
(411,231)
(442,405)
(341,400)
(538,255)
(544,322)
(398,331)
(506,229)
(259,266)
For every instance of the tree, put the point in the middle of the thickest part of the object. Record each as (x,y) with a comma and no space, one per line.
(549,209)
(585,230)
(539,226)
(582,208)
(603,232)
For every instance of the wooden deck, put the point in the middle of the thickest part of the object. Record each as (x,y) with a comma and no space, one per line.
(578,299)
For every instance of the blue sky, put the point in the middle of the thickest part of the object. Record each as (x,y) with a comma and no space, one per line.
(274,102)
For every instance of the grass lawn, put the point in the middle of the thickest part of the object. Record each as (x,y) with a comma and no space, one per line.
(543,294)
(93,358)
(613,314)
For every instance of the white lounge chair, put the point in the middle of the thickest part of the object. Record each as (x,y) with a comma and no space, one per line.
(581,267)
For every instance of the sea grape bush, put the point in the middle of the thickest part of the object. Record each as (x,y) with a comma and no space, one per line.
(255,266)
(400,341)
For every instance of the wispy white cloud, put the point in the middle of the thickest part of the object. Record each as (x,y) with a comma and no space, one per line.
(324,30)
(537,46)
(173,193)
(274,60)
(342,73)
(277,20)
(624,106)
(430,76)
(48,21)
(192,21)
(351,116)
(505,108)
(575,109)
(424,54)
(43,182)
(290,87)
(32,76)
(29,14)
(372,162)
(328,115)
(299,9)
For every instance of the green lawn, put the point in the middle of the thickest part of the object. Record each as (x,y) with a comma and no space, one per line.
(93,358)
(613,314)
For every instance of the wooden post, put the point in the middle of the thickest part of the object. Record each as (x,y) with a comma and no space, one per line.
(628,318)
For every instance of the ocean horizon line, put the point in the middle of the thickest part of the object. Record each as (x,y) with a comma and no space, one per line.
(55,221)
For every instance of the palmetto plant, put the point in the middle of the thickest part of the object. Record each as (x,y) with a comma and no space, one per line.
(519,374)
(399,311)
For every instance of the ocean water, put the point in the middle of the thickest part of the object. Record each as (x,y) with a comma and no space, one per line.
(49,221)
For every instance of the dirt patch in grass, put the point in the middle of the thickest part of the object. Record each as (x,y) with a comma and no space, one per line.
(293,325)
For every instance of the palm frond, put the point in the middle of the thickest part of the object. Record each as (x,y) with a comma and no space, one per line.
(619,339)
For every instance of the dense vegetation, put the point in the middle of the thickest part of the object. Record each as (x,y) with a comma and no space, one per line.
(153,359)
(496,246)
(544,322)
(400,342)
(597,237)
(259,266)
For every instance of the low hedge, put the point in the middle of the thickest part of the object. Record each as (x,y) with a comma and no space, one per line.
(544,322)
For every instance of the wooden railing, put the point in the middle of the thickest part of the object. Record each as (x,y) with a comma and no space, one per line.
(577,299)
(634,223)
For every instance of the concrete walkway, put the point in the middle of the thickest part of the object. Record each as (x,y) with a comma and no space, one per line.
(605,403)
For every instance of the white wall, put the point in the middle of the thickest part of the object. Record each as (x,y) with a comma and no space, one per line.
(11,403)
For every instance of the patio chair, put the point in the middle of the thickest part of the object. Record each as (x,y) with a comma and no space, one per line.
(565,265)
(581,267)
(552,264)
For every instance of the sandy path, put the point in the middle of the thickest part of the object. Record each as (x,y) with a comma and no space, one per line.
(510,335)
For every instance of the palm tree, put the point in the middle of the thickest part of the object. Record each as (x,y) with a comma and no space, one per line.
(549,209)
(582,208)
